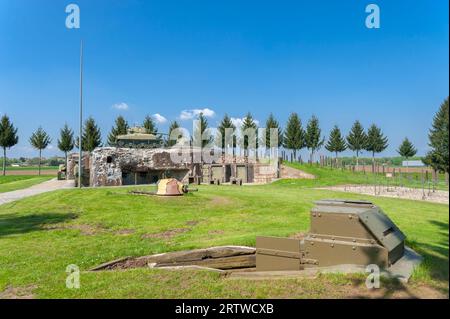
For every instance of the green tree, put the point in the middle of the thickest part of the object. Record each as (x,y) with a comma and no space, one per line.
(8,137)
(376,142)
(294,135)
(91,137)
(357,140)
(120,128)
(201,128)
(272,123)
(248,124)
(226,125)
(438,156)
(149,125)
(336,142)
(40,140)
(66,141)
(173,126)
(407,149)
(313,138)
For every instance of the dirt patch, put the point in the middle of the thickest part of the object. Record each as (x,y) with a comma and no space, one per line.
(124,232)
(167,234)
(429,292)
(392,290)
(221,201)
(85,229)
(192,222)
(215,232)
(437,196)
(18,292)
(35,172)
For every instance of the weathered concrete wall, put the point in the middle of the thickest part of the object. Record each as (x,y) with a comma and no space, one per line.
(265,173)
(248,172)
(72,164)
(112,166)
(108,163)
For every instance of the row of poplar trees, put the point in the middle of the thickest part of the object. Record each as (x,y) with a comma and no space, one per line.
(40,139)
(294,137)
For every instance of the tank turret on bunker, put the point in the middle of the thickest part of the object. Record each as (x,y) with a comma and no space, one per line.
(138,137)
(341,232)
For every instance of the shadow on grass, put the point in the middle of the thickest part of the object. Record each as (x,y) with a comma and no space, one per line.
(435,255)
(11,224)
(443,227)
(435,262)
(387,289)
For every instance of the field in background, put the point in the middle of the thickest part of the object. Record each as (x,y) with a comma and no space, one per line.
(91,226)
(32,170)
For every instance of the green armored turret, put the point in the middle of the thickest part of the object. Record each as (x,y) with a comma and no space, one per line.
(138,138)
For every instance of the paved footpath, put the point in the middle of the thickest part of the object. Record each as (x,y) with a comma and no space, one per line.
(44,187)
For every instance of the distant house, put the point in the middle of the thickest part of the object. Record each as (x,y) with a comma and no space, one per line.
(413,164)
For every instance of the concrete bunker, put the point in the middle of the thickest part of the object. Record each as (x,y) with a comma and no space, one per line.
(140,158)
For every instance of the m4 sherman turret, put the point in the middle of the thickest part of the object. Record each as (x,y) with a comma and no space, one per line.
(138,137)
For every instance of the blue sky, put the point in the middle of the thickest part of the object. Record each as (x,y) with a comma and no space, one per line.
(165,57)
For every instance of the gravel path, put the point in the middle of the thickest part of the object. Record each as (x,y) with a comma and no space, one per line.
(437,196)
(44,187)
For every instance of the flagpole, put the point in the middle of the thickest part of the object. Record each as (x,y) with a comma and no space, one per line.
(81,117)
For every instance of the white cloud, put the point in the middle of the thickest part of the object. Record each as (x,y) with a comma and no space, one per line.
(237,122)
(159,118)
(121,106)
(190,114)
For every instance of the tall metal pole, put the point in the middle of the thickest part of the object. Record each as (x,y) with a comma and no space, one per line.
(81,117)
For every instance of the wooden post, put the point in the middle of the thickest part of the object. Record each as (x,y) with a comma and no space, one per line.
(423,185)
(435,179)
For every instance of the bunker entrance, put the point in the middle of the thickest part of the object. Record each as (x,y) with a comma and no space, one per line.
(140,178)
(227,173)
(130,177)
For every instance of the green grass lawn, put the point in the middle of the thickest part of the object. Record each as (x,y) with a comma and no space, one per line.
(10,183)
(41,235)
(330,176)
